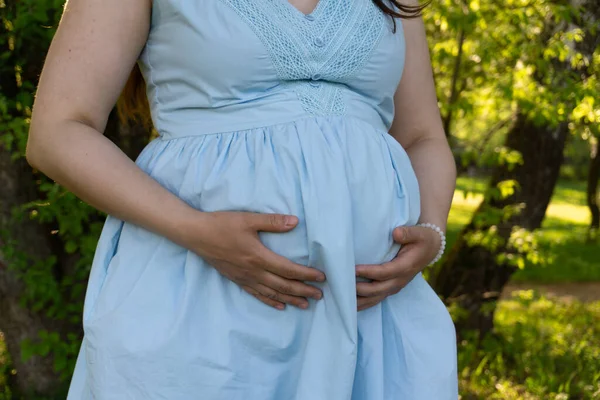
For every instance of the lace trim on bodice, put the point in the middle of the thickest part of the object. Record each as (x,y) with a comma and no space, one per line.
(318,52)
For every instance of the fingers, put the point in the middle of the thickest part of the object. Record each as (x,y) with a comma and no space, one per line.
(281,266)
(408,234)
(272,222)
(291,287)
(377,289)
(273,262)
(362,303)
(411,259)
(379,272)
(270,302)
(272,294)
(277,299)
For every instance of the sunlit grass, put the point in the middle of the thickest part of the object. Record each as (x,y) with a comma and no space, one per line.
(563,233)
(4,370)
(543,348)
(570,192)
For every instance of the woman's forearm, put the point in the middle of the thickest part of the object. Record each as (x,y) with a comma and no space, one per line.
(434,166)
(88,164)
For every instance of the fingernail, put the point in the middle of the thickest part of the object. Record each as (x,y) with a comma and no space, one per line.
(321,278)
(319,296)
(404,234)
(290,220)
(280,306)
(304,306)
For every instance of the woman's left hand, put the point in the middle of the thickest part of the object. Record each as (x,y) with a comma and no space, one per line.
(420,245)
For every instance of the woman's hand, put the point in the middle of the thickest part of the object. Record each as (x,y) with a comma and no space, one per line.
(419,246)
(229,242)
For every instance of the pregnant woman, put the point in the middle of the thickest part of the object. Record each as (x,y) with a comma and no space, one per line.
(269,243)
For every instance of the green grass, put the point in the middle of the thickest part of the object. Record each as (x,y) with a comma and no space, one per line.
(563,232)
(542,349)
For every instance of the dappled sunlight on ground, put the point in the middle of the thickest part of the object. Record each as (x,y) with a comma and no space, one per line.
(568,213)
(563,234)
(542,349)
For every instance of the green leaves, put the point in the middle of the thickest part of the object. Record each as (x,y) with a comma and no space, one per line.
(55,293)
(585,110)
(491,58)
(52,343)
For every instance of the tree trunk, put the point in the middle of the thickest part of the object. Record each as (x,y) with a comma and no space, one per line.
(471,276)
(454,90)
(592,187)
(35,376)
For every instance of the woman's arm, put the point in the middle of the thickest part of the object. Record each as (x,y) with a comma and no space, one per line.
(89,60)
(418,127)
(95,48)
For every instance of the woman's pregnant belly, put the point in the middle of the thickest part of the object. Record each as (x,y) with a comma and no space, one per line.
(341,177)
(349,185)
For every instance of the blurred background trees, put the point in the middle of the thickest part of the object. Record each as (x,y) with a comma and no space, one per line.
(518,87)
(542,56)
(47,235)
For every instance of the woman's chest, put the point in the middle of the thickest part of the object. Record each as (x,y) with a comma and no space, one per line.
(241,45)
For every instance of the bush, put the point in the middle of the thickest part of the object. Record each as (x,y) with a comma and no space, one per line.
(541,348)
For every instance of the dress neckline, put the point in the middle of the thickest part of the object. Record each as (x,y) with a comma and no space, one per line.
(311,14)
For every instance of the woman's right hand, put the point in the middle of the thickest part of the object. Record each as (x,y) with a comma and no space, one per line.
(229,241)
(93,51)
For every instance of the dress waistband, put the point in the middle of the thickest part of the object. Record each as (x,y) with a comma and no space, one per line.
(275,109)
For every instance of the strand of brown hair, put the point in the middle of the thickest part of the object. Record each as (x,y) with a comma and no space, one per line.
(404,11)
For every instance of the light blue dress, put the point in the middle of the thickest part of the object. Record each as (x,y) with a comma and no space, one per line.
(263,108)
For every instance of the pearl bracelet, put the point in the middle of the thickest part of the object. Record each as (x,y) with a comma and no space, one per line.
(443,244)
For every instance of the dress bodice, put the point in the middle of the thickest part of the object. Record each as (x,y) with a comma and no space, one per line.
(226,65)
